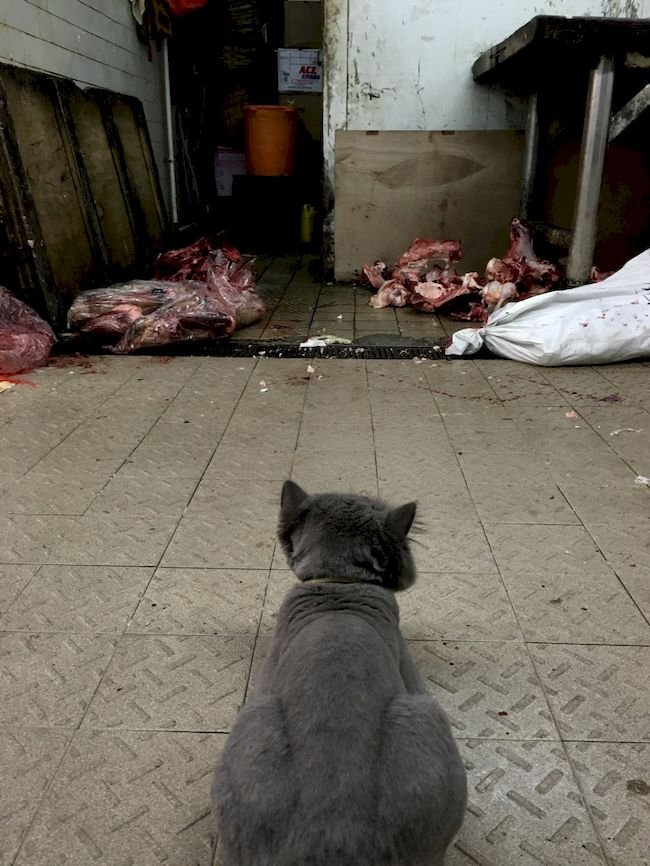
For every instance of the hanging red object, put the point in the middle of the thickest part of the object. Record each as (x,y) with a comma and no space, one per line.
(184,7)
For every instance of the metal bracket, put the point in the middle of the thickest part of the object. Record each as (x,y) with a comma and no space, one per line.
(630,111)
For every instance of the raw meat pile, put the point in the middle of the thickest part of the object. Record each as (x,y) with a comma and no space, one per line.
(205,295)
(25,339)
(417,282)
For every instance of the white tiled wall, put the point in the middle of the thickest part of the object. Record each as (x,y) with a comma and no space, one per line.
(93,42)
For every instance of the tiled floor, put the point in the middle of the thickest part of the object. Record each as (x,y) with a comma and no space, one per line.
(298,306)
(139,579)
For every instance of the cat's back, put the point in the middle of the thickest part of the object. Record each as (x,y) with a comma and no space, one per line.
(334,638)
(332,762)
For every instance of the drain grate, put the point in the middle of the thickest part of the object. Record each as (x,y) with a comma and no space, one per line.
(271,349)
(242,349)
(383,347)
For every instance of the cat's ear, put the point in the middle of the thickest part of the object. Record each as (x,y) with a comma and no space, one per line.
(292,497)
(400,520)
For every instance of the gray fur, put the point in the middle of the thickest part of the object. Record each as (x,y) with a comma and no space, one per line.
(341,757)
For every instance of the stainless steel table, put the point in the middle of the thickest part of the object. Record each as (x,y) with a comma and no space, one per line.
(608,48)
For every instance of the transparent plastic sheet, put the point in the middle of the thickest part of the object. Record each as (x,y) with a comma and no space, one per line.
(25,339)
(197,315)
(120,304)
(147,313)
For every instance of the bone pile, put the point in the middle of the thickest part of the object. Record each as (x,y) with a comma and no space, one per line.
(424,277)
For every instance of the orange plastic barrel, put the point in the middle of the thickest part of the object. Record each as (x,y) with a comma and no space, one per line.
(270,136)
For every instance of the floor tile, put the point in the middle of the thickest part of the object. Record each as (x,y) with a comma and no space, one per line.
(526,388)
(29,759)
(524,807)
(173,683)
(597,692)
(70,598)
(487,690)
(455,547)
(457,607)
(147,494)
(626,547)
(30,537)
(532,503)
(615,779)
(589,608)
(44,494)
(350,471)
(234,462)
(608,503)
(128,798)
(49,679)
(492,436)
(513,467)
(420,476)
(201,601)
(13,579)
(177,459)
(637,583)
(230,524)
(544,549)
(116,538)
(589,466)
(281,580)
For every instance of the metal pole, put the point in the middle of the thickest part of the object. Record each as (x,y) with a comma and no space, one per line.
(590,172)
(169,130)
(529,170)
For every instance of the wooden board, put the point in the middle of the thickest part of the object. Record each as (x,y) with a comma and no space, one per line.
(107,189)
(392,187)
(80,200)
(52,177)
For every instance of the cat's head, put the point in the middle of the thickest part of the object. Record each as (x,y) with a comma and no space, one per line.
(343,535)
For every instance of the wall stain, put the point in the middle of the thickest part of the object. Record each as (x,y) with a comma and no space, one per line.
(620,8)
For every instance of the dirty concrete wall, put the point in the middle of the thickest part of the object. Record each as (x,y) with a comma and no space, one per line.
(407,65)
(93,42)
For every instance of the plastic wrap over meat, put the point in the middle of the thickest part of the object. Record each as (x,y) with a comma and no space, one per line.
(196,315)
(142,314)
(192,262)
(25,339)
(104,311)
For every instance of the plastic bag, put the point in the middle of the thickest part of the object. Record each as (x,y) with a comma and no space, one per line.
(594,324)
(196,315)
(145,313)
(25,339)
(110,303)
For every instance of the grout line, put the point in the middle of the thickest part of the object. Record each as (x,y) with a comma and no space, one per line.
(46,788)
(257,635)
(576,776)
(372,427)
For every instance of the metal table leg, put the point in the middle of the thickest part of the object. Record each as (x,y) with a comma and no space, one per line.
(530,155)
(590,173)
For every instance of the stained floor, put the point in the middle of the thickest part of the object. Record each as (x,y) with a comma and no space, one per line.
(139,579)
(299,306)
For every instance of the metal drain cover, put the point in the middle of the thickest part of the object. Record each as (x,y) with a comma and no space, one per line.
(397,348)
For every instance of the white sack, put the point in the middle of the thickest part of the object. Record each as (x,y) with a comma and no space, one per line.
(596,324)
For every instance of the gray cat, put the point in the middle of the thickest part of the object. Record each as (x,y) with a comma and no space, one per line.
(341,757)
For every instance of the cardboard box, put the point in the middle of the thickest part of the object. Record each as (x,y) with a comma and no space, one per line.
(228,163)
(310,106)
(303,24)
(299,71)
